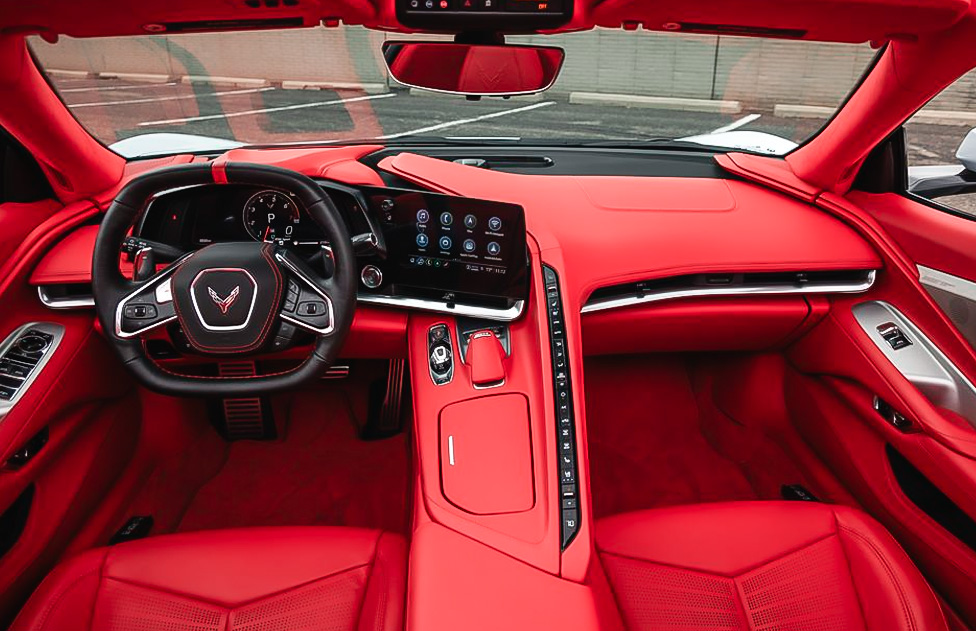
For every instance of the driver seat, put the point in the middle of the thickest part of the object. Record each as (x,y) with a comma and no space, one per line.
(255,579)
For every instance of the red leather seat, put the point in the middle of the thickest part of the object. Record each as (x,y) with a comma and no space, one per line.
(762,565)
(260,579)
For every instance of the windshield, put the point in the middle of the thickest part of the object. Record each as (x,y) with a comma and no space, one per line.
(331,85)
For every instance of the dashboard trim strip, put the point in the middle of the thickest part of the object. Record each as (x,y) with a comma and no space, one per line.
(855,287)
(75,302)
(487,313)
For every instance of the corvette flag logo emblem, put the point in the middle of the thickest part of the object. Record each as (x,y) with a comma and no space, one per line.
(225,303)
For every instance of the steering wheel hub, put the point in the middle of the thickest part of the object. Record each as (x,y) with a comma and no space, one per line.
(227,296)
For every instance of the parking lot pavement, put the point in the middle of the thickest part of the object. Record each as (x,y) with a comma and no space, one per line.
(114,109)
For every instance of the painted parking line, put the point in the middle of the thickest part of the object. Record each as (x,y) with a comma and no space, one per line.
(168,98)
(465,121)
(108,88)
(745,120)
(267,110)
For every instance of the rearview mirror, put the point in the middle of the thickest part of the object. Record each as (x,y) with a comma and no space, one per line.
(473,69)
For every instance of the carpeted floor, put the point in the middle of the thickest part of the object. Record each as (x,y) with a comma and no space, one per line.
(318,472)
(650,446)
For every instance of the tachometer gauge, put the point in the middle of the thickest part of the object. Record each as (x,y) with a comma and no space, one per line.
(271,216)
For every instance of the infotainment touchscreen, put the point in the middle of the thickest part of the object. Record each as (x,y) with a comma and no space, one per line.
(454,244)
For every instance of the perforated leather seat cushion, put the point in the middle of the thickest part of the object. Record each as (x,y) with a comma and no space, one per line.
(261,579)
(800,566)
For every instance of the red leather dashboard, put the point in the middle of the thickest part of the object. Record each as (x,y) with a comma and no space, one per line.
(609,229)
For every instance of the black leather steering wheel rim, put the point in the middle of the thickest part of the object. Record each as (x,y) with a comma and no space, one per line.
(110,286)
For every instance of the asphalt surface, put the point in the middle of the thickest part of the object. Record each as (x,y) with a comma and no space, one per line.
(114,109)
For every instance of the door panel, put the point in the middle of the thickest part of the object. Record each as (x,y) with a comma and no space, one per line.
(884,392)
(69,428)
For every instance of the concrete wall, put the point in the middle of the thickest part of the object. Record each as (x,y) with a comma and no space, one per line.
(760,73)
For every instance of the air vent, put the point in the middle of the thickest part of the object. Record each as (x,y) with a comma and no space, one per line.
(507,162)
(270,4)
(735,29)
(729,284)
(226,25)
(67,296)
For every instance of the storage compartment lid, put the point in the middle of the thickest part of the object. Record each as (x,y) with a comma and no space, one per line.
(486,455)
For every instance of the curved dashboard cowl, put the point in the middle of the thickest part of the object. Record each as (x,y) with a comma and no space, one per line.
(603,231)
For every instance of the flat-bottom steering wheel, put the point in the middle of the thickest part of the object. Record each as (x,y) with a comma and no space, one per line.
(228,298)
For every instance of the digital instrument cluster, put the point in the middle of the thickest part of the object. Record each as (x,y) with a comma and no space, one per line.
(414,245)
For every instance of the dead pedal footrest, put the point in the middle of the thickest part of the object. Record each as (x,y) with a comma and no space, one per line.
(244,418)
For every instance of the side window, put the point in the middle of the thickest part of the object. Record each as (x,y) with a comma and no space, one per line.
(21,179)
(940,142)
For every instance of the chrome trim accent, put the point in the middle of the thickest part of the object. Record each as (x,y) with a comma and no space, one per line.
(196,306)
(56,331)
(163,275)
(164,292)
(362,276)
(328,300)
(487,313)
(74,302)
(450,449)
(748,290)
(947,282)
(489,386)
(921,363)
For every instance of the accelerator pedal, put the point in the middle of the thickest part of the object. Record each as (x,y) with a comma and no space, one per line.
(244,418)
(385,417)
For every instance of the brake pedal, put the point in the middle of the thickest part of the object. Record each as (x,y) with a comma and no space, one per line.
(244,418)
(385,414)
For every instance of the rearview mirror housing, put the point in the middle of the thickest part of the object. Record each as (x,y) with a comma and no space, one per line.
(473,69)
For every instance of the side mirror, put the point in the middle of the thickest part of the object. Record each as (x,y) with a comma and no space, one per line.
(473,69)
(932,182)
(966,153)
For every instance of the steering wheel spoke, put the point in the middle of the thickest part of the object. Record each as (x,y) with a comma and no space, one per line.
(308,300)
(147,307)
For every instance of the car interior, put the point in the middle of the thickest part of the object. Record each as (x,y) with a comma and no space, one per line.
(397,382)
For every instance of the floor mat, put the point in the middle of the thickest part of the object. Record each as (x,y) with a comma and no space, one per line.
(318,473)
(646,447)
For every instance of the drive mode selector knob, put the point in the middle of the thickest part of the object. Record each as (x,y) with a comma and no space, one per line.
(371,276)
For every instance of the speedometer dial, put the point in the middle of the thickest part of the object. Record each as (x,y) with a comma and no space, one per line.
(271,216)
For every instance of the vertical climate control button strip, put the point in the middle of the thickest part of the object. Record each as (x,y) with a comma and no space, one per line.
(565,419)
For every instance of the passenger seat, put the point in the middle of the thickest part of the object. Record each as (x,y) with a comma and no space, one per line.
(801,566)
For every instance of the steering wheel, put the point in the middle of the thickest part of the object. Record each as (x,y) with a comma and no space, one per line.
(228,298)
